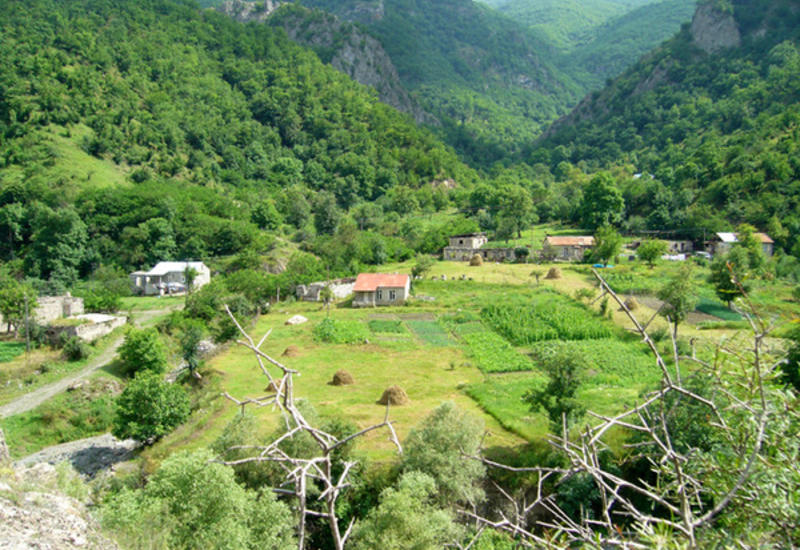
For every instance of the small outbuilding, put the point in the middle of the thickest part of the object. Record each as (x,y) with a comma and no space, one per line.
(169,278)
(381,289)
(722,243)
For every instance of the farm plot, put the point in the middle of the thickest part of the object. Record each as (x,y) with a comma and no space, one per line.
(501,397)
(549,316)
(386,326)
(430,332)
(340,332)
(493,354)
(612,363)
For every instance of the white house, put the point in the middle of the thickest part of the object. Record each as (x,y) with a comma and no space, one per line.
(168,278)
(381,289)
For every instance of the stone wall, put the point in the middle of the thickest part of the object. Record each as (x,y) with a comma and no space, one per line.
(95,326)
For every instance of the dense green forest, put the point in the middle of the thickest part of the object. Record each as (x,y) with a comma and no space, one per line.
(714,135)
(136,131)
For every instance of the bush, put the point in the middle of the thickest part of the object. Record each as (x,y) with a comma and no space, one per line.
(75,349)
(143,350)
(149,408)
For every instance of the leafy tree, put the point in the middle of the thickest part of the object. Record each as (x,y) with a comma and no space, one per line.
(651,250)
(58,249)
(13,295)
(602,204)
(190,338)
(791,367)
(678,295)
(406,518)
(326,213)
(565,369)
(143,350)
(193,502)
(149,408)
(746,239)
(266,216)
(607,244)
(730,274)
(437,446)
(190,275)
(422,266)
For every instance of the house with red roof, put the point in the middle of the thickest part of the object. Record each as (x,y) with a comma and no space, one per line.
(381,289)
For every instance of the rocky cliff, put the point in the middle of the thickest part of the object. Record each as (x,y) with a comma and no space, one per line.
(714,29)
(339,43)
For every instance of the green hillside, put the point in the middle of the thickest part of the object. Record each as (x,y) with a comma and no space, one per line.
(710,119)
(489,80)
(134,131)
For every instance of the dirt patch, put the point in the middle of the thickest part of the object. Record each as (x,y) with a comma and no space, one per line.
(342,378)
(394,395)
(291,351)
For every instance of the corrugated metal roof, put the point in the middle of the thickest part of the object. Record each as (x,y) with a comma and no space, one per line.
(368,282)
(727,237)
(570,241)
(162,268)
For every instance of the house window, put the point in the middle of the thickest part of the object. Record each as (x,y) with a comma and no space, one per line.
(460,241)
(392,295)
(379,294)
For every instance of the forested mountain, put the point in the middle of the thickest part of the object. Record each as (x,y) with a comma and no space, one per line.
(711,119)
(489,81)
(147,129)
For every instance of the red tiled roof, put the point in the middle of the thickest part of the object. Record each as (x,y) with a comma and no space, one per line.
(570,241)
(368,282)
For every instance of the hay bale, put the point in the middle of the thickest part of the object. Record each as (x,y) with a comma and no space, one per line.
(342,378)
(394,395)
(632,304)
(271,388)
(476,261)
(291,351)
(554,273)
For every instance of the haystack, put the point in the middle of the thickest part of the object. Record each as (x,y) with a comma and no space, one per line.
(554,273)
(342,378)
(291,351)
(272,387)
(631,304)
(476,261)
(394,395)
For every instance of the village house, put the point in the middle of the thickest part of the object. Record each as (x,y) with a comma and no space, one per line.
(381,289)
(567,248)
(168,278)
(722,243)
(679,247)
(463,247)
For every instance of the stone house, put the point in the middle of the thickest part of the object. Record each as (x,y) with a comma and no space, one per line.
(463,247)
(168,278)
(88,326)
(722,243)
(381,289)
(51,308)
(680,247)
(341,288)
(567,248)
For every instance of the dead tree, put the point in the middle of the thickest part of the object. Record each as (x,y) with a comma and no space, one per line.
(300,473)
(740,390)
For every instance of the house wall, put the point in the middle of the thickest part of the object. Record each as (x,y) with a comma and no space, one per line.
(570,253)
(468,242)
(384,296)
(50,308)
(458,254)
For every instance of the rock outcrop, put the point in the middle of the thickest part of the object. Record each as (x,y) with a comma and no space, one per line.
(35,513)
(714,29)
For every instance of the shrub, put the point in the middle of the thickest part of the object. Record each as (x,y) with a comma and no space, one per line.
(143,350)
(340,332)
(75,349)
(149,408)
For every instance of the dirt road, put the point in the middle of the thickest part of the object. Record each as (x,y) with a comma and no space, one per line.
(35,398)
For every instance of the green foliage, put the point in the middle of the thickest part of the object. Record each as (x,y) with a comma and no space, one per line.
(143,350)
(192,502)
(13,297)
(149,408)
(10,350)
(607,244)
(430,332)
(190,338)
(492,353)
(602,204)
(790,370)
(679,296)
(437,448)
(651,250)
(730,274)
(75,349)
(711,307)
(386,325)
(422,266)
(241,431)
(565,368)
(333,331)
(549,316)
(406,518)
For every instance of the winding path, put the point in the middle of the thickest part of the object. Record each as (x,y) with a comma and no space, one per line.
(38,396)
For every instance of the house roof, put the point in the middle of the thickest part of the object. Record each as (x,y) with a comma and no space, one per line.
(368,282)
(468,235)
(162,268)
(732,238)
(570,241)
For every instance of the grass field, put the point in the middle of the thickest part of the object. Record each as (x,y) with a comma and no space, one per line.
(11,350)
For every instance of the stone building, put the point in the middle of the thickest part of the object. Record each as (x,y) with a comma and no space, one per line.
(341,288)
(567,248)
